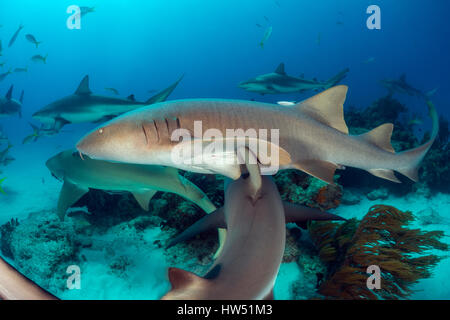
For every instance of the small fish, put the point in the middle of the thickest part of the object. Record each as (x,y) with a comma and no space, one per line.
(267,35)
(4,75)
(33,40)
(86,10)
(17,70)
(286,103)
(416,121)
(39,58)
(339,23)
(369,60)
(258,25)
(115,91)
(1,189)
(14,37)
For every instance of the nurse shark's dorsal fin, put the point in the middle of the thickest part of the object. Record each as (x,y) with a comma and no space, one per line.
(280,69)
(83,88)
(327,107)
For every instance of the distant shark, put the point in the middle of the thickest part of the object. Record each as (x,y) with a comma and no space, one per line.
(38,132)
(279,82)
(10,106)
(312,137)
(248,265)
(83,106)
(15,286)
(142,181)
(401,86)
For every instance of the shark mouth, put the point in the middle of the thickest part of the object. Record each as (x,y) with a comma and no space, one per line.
(81,155)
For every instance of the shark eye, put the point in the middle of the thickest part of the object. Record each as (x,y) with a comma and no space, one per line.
(100,131)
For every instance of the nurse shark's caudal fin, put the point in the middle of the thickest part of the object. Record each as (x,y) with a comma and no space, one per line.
(327,108)
(416,155)
(164,94)
(293,213)
(181,279)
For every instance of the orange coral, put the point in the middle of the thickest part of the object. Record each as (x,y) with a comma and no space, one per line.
(382,239)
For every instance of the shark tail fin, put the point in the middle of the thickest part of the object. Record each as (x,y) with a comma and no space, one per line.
(164,94)
(45,58)
(415,156)
(337,78)
(37,43)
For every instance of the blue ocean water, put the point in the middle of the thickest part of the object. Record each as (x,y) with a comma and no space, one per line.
(139,46)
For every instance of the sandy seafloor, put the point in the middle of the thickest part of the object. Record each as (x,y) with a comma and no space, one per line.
(30,188)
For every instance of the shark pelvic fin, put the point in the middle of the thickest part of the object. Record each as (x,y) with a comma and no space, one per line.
(9,93)
(70,193)
(83,88)
(298,213)
(143,198)
(322,170)
(280,69)
(180,278)
(384,174)
(380,137)
(327,107)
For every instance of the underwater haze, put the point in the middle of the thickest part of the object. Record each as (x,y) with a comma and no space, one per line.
(133,50)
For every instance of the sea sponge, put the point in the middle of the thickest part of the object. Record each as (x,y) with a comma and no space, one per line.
(381,238)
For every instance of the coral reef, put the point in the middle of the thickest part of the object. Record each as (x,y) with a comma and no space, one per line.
(381,238)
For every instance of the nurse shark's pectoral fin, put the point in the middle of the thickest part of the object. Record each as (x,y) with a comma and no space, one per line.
(211,221)
(301,215)
(144,197)
(322,170)
(181,279)
(70,193)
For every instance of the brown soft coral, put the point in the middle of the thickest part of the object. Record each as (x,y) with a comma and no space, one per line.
(382,239)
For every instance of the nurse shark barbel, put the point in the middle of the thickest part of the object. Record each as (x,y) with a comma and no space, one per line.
(313,137)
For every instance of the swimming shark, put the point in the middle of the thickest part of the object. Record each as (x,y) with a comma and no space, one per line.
(15,286)
(310,136)
(279,82)
(84,106)
(10,106)
(253,251)
(142,181)
(401,86)
(39,132)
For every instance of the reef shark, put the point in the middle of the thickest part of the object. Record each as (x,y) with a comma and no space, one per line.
(15,286)
(10,106)
(142,181)
(401,86)
(253,251)
(84,106)
(279,82)
(312,137)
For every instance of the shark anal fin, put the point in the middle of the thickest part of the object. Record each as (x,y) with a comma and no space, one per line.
(143,198)
(327,107)
(380,137)
(384,174)
(280,68)
(83,88)
(70,193)
(322,170)
(181,278)
(251,162)
(213,220)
